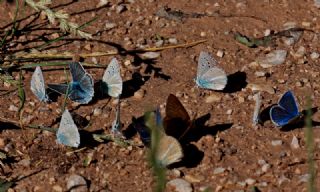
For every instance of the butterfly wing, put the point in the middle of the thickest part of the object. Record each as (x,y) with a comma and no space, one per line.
(215,78)
(288,102)
(205,62)
(255,117)
(177,119)
(143,130)
(59,88)
(68,133)
(169,151)
(38,85)
(77,71)
(280,116)
(82,86)
(113,78)
(209,76)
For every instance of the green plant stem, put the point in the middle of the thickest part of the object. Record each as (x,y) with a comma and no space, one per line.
(310,149)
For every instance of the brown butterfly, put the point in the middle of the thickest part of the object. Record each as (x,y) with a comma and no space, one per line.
(177,120)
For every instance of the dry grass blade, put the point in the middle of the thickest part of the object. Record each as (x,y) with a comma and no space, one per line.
(64,24)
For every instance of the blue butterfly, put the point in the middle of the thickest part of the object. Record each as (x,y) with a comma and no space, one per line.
(68,133)
(112,78)
(38,85)
(286,111)
(81,88)
(209,76)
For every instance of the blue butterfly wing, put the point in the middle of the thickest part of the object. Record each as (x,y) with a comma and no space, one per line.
(77,71)
(82,86)
(68,133)
(38,85)
(142,130)
(59,88)
(288,102)
(280,116)
(78,94)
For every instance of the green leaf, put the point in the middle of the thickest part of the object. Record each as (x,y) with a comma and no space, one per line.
(5,185)
(3,155)
(251,41)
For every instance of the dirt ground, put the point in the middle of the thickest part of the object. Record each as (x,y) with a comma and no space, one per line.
(228,154)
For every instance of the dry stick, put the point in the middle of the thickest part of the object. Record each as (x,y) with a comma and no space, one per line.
(17,123)
(99,54)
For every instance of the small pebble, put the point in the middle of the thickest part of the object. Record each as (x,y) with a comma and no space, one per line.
(173,40)
(57,188)
(76,183)
(304,178)
(159,43)
(314,55)
(229,111)
(260,73)
(265,167)
(194,179)
(220,53)
(150,55)
(276,142)
(97,112)
(13,108)
(295,143)
(109,25)
(139,94)
(120,8)
(213,98)
(289,25)
(102,3)
(180,185)
(306,24)
(218,170)
(203,34)
(273,58)
(250,181)
(317,3)
(300,52)
(25,162)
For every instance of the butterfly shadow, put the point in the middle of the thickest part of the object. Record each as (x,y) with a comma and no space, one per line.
(150,67)
(193,156)
(236,82)
(87,140)
(300,122)
(7,126)
(133,85)
(199,129)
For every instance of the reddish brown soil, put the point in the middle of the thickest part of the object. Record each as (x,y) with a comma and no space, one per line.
(229,140)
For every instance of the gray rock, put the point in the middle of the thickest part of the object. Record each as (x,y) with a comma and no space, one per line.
(273,58)
(276,142)
(180,185)
(76,183)
(295,143)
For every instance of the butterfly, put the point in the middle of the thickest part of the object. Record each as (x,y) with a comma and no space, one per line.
(255,117)
(38,85)
(168,149)
(112,78)
(177,120)
(68,133)
(286,111)
(209,76)
(116,124)
(81,88)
